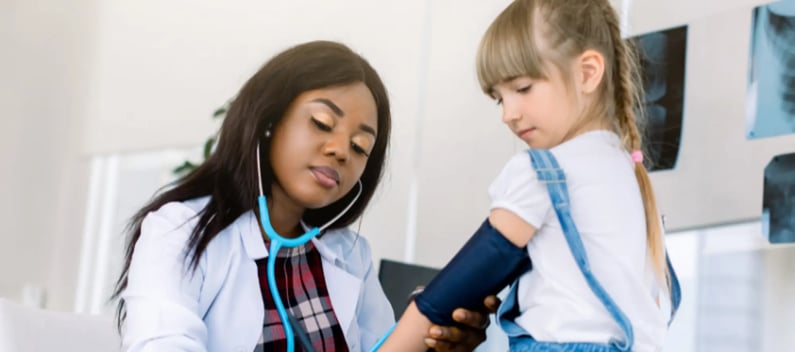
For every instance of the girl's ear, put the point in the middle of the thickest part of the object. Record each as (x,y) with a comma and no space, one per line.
(590,68)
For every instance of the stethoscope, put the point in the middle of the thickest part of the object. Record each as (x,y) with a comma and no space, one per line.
(277,242)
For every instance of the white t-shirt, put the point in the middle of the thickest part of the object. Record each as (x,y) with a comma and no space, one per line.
(555,302)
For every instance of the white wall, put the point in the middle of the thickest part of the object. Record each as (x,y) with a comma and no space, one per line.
(718,178)
(171,67)
(92,78)
(46,58)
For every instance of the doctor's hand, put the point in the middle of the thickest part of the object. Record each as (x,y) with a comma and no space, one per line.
(470,333)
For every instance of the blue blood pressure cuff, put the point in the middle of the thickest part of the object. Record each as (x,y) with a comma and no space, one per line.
(484,266)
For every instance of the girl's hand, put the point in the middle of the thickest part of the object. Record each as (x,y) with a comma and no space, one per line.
(466,336)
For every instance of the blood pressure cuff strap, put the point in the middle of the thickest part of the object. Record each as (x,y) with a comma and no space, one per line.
(484,266)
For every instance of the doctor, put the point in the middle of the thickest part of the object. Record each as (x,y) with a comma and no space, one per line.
(312,126)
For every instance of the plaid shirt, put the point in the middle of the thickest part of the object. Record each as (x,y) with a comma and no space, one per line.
(302,287)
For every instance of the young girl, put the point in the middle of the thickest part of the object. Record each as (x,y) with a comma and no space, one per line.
(301,149)
(579,201)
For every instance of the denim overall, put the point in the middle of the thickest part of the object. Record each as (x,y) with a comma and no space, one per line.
(552,175)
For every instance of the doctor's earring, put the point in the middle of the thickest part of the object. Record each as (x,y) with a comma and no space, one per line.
(268,131)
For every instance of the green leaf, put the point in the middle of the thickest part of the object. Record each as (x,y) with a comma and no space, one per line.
(208,147)
(185,168)
(188,166)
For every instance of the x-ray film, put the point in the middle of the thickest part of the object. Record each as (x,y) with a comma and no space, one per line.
(663,56)
(771,85)
(778,213)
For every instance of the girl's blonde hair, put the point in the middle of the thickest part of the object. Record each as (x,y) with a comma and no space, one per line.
(531,34)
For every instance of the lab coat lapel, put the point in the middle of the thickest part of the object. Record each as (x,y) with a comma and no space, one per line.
(343,287)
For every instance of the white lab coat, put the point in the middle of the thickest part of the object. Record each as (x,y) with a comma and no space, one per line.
(219,307)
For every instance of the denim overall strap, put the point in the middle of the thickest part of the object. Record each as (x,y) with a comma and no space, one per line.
(676,290)
(552,175)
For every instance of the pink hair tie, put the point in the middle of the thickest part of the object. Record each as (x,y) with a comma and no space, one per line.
(637,156)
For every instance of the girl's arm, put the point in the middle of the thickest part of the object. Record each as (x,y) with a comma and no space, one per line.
(481,255)
(510,225)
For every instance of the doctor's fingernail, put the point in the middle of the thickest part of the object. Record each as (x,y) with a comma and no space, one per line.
(430,342)
(436,331)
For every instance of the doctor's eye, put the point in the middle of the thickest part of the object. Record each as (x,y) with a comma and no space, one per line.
(358,149)
(361,144)
(323,126)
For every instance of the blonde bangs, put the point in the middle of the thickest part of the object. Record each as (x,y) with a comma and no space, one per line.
(509,49)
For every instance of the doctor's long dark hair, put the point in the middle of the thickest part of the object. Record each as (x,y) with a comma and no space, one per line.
(229,176)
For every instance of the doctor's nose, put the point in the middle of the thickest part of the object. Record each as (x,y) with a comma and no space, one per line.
(338,147)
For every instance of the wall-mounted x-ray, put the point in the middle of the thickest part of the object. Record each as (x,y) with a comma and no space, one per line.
(778,213)
(771,85)
(663,57)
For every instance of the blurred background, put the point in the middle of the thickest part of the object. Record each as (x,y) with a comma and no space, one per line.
(101,100)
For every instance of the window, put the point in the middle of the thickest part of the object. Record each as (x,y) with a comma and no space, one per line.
(120,184)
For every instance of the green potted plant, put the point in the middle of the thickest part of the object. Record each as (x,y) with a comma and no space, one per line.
(187,166)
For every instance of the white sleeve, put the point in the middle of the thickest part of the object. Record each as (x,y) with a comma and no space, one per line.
(375,314)
(161,296)
(518,190)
